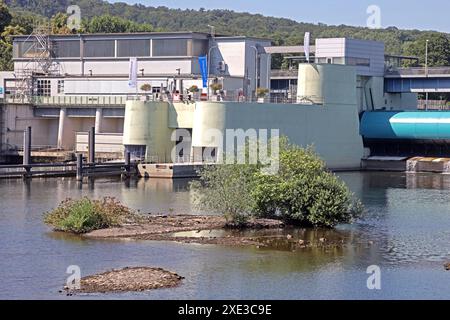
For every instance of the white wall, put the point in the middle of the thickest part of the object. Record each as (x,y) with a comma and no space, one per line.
(354,48)
(334,131)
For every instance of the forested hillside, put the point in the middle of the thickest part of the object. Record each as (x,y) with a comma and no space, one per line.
(102,16)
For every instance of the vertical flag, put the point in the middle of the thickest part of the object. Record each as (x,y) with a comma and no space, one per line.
(306,45)
(132,78)
(203,61)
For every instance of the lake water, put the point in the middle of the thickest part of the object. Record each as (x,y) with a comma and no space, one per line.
(405,231)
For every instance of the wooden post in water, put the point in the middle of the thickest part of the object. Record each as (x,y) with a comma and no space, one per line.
(27,152)
(127,164)
(79,167)
(91,146)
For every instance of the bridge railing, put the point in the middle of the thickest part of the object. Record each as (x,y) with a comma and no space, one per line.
(420,71)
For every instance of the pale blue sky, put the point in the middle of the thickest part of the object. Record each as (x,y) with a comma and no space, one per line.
(408,14)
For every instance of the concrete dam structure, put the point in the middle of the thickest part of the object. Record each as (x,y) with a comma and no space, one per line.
(329,122)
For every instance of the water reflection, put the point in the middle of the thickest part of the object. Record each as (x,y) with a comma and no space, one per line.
(405,230)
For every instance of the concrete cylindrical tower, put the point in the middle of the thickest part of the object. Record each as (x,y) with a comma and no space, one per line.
(327,84)
(147,124)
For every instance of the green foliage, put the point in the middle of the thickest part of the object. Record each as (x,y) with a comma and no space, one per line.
(111,24)
(226,189)
(84,215)
(262,92)
(5,16)
(302,192)
(5,56)
(102,16)
(59,24)
(438,49)
(282,31)
(215,86)
(193,89)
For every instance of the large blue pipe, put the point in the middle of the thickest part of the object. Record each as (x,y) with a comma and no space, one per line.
(401,125)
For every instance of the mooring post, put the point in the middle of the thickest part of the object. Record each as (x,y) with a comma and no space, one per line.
(27,152)
(127,164)
(79,167)
(91,146)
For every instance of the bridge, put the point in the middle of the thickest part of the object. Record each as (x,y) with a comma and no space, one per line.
(418,80)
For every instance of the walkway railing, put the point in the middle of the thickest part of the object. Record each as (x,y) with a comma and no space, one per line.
(120,101)
(420,71)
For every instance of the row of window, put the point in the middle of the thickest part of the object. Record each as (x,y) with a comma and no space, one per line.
(351,61)
(107,48)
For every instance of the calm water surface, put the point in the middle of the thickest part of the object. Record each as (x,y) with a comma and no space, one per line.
(405,231)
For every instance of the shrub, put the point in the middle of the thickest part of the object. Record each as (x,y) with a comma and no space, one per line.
(302,192)
(193,89)
(262,92)
(216,87)
(84,215)
(225,189)
(146,87)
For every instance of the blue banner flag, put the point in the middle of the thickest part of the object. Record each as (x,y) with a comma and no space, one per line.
(203,61)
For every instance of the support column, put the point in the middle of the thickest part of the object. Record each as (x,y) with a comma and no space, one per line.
(62,120)
(98,120)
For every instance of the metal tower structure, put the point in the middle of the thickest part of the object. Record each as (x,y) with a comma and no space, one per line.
(40,51)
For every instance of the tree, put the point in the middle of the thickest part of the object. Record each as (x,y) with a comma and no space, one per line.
(5,16)
(226,189)
(5,56)
(59,24)
(6,46)
(111,24)
(438,49)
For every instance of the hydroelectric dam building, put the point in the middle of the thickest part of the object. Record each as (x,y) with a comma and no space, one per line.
(63,85)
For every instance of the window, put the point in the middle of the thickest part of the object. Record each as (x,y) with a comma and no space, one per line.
(361,62)
(66,48)
(27,49)
(170,47)
(43,88)
(198,47)
(99,48)
(133,48)
(60,86)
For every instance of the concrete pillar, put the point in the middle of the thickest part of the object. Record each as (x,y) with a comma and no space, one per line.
(98,120)
(62,120)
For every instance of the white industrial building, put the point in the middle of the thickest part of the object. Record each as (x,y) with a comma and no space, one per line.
(98,64)
(72,83)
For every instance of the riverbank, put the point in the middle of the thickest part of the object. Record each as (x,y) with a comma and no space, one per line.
(207,229)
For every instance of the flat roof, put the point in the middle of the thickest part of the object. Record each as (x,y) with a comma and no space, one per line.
(143,34)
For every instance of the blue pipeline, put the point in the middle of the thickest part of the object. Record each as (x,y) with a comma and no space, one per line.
(433,125)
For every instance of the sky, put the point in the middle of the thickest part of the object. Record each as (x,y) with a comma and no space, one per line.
(403,14)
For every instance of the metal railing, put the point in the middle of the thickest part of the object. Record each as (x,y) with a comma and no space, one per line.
(120,101)
(419,71)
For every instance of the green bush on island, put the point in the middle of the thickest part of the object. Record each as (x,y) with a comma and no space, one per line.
(84,215)
(226,189)
(302,192)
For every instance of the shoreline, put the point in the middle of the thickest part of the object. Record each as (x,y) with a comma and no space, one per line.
(174,228)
